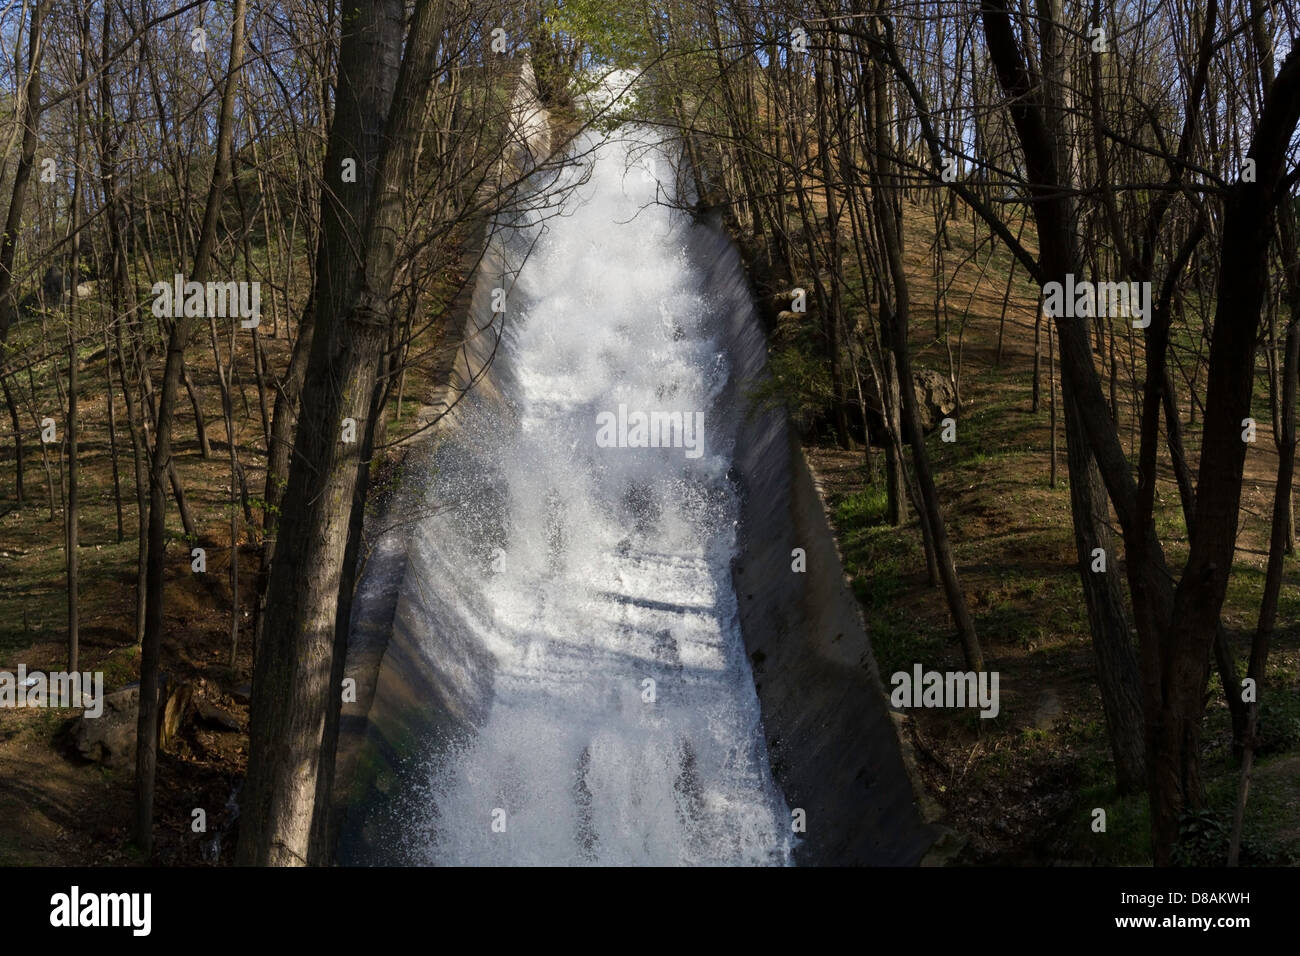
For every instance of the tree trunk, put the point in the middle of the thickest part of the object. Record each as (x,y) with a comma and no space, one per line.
(23,174)
(363,101)
(1039,127)
(73,515)
(110,403)
(832,317)
(200,425)
(895,316)
(294,660)
(1243,277)
(321,846)
(150,652)
(1280,532)
(16,425)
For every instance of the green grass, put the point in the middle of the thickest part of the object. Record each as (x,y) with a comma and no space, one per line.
(1279,720)
(883,563)
(1013,624)
(863,509)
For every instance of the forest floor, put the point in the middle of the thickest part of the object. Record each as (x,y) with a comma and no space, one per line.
(57,808)
(1019,788)
(1022,787)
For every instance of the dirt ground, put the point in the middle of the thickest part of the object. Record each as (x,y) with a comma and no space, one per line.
(1021,788)
(1017,789)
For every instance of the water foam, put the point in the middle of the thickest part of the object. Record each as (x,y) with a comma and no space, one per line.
(588,571)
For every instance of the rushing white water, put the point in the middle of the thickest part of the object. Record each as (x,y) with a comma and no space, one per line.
(589,572)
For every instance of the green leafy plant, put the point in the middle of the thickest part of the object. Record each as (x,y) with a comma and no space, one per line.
(1279,721)
(1203,837)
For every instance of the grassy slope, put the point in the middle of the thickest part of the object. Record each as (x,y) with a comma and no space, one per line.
(1023,785)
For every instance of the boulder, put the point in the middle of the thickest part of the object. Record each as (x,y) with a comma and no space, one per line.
(935,400)
(935,397)
(57,287)
(54,284)
(781,301)
(214,716)
(110,738)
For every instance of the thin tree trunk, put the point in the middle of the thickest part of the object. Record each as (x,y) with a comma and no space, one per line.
(832,317)
(45,447)
(1278,539)
(112,434)
(1051,399)
(895,315)
(200,426)
(119,282)
(1040,124)
(16,424)
(139,455)
(150,652)
(23,174)
(73,516)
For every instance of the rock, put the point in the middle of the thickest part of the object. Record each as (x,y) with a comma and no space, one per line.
(57,288)
(54,284)
(781,301)
(935,397)
(947,848)
(110,738)
(214,716)
(784,300)
(1049,709)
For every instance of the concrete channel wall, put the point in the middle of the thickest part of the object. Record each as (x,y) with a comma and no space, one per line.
(833,744)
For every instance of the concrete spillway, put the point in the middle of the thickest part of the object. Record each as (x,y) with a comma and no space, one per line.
(584,643)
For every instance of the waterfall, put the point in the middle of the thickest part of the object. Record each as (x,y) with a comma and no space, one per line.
(582,537)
